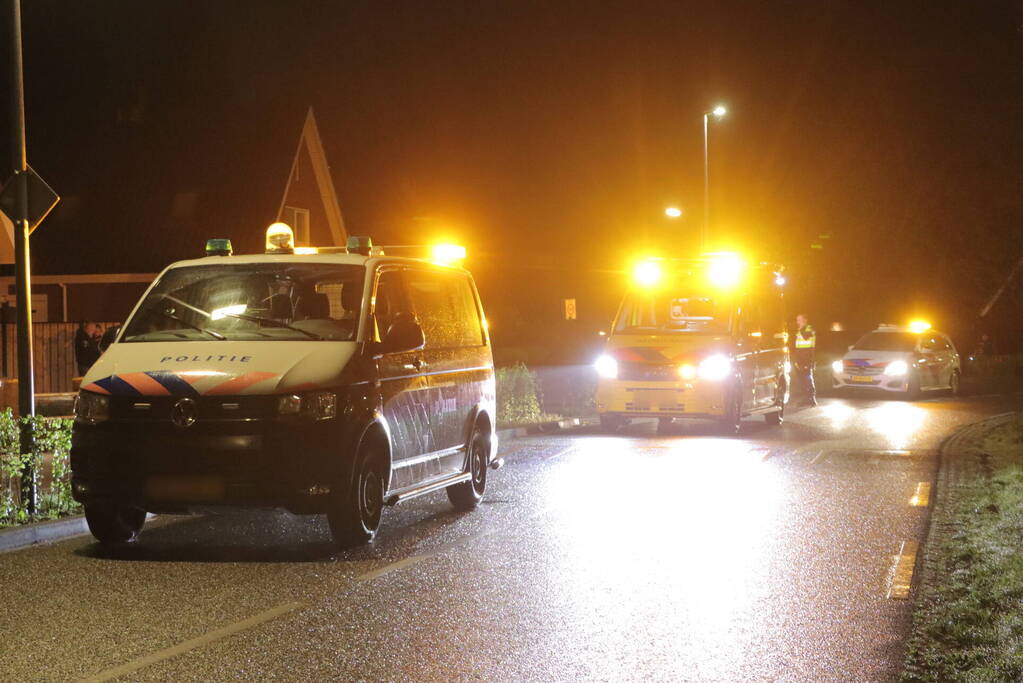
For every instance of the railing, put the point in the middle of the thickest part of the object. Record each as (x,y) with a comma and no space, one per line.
(53,350)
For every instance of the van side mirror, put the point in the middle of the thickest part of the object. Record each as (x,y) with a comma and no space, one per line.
(851,346)
(405,334)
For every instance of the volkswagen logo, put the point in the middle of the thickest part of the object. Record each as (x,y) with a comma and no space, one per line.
(184,413)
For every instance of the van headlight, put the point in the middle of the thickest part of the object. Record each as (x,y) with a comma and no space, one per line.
(317,405)
(896,368)
(714,368)
(607,367)
(838,367)
(91,408)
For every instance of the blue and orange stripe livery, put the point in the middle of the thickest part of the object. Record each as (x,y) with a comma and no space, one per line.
(167,383)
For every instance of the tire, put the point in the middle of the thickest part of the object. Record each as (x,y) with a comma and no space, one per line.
(113,523)
(467,495)
(913,390)
(354,517)
(610,424)
(954,383)
(731,423)
(778,416)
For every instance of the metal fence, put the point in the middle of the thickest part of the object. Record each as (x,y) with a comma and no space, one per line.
(53,354)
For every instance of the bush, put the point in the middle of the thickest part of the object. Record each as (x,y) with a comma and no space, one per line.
(50,460)
(518,399)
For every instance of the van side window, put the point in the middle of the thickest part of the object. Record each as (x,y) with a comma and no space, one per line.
(446,307)
(390,300)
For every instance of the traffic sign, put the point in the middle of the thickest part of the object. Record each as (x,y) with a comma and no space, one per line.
(41,199)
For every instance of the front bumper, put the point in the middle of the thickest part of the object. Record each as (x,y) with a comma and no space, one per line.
(163,469)
(633,398)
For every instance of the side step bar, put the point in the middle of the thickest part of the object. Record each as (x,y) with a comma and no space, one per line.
(407,494)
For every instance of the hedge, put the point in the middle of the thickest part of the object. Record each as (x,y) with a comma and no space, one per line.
(49,459)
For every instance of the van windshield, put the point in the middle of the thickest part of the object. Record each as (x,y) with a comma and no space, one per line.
(251,302)
(674,313)
(887,341)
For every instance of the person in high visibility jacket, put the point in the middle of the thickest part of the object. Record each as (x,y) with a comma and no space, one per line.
(802,358)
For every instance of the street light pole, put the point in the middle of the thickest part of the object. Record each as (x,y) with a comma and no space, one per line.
(26,384)
(717,111)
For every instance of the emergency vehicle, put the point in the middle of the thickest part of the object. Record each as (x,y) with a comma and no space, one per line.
(697,338)
(900,359)
(335,381)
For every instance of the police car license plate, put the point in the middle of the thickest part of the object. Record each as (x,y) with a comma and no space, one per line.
(861,378)
(647,399)
(186,489)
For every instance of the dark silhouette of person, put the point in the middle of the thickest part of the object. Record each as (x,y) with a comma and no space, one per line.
(86,346)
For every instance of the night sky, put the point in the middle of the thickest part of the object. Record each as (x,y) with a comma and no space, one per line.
(549,137)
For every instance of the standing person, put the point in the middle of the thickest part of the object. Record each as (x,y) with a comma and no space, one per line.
(108,337)
(802,356)
(86,346)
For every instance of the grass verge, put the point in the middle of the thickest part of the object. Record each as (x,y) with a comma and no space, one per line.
(968,617)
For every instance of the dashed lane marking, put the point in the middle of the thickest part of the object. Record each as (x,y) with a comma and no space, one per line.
(816,458)
(902,572)
(188,645)
(922,495)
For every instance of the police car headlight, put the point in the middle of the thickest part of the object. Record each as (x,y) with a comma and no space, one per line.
(896,368)
(837,367)
(714,368)
(607,367)
(91,408)
(318,405)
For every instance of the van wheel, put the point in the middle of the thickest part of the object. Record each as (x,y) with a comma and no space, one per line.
(954,383)
(609,424)
(354,515)
(778,416)
(114,524)
(731,423)
(467,495)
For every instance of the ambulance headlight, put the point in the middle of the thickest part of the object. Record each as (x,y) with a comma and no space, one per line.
(838,367)
(91,408)
(607,367)
(318,405)
(714,368)
(896,368)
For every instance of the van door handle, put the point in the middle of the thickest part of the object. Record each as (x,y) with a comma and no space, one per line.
(418,364)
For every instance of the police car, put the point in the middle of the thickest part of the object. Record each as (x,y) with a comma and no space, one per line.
(906,360)
(329,381)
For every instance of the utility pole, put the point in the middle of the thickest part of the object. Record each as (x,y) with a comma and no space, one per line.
(26,380)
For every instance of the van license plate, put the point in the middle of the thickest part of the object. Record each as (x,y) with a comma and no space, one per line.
(190,489)
(861,378)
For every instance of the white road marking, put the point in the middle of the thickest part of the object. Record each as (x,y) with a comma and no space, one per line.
(186,646)
(817,457)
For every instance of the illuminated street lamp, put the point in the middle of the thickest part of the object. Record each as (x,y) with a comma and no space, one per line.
(718,112)
(673,212)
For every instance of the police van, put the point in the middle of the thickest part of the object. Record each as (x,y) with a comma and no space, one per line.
(697,338)
(331,381)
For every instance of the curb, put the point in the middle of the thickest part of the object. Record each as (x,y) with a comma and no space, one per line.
(42,532)
(544,428)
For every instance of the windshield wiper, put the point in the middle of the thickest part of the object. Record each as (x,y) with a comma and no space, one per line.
(272,323)
(215,335)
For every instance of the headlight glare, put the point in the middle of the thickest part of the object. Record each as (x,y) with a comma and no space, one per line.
(686,371)
(607,367)
(896,368)
(91,408)
(838,367)
(714,368)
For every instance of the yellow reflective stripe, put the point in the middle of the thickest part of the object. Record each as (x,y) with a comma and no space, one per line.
(805,343)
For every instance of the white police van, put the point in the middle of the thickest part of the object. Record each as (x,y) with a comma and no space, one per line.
(318,382)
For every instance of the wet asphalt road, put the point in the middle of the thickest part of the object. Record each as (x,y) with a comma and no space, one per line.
(683,556)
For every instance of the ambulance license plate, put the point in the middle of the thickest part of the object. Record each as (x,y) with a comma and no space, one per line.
(861,378)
